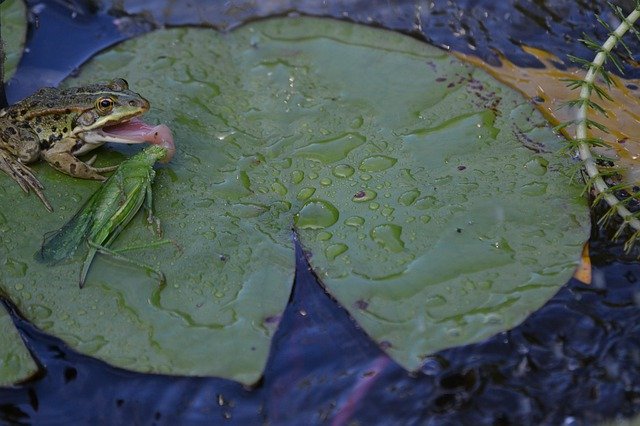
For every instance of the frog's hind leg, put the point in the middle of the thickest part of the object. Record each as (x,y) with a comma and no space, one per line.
(97,248)
(23,176)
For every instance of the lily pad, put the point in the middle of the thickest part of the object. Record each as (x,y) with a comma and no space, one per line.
(13,29)
(16,363)
(430,198)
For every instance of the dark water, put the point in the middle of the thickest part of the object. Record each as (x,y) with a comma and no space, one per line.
(576,361)
(70,31)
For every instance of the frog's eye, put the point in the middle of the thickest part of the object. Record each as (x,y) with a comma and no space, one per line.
(104,105)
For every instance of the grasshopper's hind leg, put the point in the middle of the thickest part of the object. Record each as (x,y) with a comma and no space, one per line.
(104,250)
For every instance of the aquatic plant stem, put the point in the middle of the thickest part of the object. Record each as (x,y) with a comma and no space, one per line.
(582,123)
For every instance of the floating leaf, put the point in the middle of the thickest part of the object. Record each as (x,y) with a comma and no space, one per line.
(16,363)
(429,198)
(13,29)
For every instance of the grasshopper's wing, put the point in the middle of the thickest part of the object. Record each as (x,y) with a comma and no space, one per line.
(102,238)
(63,243)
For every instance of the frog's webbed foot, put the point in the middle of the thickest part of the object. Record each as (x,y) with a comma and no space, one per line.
(23,176)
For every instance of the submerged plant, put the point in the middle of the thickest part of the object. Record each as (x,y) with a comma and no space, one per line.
(618,197)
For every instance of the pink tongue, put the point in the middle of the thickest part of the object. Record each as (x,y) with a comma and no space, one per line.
(138,131)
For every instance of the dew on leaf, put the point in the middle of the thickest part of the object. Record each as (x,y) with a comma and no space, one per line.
(388,236)
(334,250)
(343,171)
(316,214)
(409,197)
(305,193)
(364,195)
(377,163)
(324,236)
(534,188)
(297,176)
(355,221)
(333,149)
(279,188)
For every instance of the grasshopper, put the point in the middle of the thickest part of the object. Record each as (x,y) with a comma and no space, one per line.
(107,212)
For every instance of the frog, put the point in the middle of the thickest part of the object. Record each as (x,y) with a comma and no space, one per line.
(58,125)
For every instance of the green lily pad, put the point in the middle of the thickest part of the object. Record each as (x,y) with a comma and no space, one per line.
(13,29)
(430,198)
(16,363)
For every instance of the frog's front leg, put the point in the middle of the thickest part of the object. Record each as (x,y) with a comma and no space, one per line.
(60,157)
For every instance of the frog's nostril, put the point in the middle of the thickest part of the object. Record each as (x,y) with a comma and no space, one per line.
(141,103)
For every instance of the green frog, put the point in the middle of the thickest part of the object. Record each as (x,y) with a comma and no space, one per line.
(58,125)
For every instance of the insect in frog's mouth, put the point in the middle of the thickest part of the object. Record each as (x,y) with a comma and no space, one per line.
(134,131)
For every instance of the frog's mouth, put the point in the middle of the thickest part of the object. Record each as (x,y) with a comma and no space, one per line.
(134,131)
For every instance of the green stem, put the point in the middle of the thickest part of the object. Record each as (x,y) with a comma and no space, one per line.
(581,129)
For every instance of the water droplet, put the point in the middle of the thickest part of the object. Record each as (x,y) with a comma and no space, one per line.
(453,332)
(15,267)
(335,250)
(534,188)
(246,210)
(233,187)
(40,312)
(425,203)
(285,163)
(374,206)
(354,221)
(537,166)
(387,211)
(409,197)
(388,236)
(425,218)
(365,177)
(279,188)
(325,181)
(434,301)
(297,176)
(357,123)
(324,236)
(377,163)
(343,171)
(19,286)
(364,195)
(333,149)
(316,214)
(305,193)
(492,319)
(313,175)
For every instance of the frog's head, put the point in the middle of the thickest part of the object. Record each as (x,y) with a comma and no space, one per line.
(113,117)
(109,104)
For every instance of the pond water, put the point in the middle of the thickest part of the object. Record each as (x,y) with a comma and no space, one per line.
(574,361)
